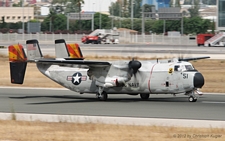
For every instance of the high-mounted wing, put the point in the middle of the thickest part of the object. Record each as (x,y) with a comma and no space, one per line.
(195,58)
(74,62)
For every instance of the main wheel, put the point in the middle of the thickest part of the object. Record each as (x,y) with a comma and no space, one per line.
(103,97)
(144,96)
(192,99)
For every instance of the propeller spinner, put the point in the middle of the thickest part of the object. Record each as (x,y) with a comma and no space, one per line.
(134,66)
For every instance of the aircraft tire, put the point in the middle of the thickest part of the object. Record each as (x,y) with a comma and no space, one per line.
(104,96)
(192,99)
(144,96)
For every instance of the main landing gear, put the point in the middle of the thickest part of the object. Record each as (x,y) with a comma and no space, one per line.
(144,96)
(192,97)
(101,95)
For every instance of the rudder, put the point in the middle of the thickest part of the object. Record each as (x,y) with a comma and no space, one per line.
(74,51)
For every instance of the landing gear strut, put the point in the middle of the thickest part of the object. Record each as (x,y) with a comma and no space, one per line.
(102,95)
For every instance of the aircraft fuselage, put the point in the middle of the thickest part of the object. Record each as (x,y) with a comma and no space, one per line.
(151,78)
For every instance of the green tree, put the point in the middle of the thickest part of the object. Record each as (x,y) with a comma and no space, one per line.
(194,10)
(137,8)
(196,25)
(54,22)
(66,6)
(114,9)
(148,8)
(123,8)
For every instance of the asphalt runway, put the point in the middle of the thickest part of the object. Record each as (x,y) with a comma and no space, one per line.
(65,102)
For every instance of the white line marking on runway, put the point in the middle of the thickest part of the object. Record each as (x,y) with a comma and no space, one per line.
(214,102)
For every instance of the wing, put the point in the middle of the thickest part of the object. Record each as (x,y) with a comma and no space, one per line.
(195,58)
(82,63)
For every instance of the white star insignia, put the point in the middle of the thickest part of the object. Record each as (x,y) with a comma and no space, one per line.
(76,78)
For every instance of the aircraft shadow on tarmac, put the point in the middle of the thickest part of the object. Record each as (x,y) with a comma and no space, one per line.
(79,99)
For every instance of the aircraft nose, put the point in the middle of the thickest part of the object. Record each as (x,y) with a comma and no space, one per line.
(198,80)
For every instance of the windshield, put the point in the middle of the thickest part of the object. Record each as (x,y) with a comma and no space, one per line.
(189,67)
(183,67)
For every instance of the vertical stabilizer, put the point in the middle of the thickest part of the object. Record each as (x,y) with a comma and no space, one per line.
(61,49)
(17,62)
(33,50)
(67,51)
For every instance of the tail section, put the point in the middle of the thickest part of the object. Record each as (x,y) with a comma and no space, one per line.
(33,50)
(18,64)
(67,51)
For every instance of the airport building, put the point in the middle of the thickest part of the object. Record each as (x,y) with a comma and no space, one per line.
(16,14)
(221,15)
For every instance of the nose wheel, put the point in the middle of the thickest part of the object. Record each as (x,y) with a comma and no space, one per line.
(192,97)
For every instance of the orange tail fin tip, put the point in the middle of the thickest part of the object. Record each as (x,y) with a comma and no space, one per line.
(16,53)
(74,50)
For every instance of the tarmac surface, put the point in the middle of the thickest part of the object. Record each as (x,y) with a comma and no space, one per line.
(65,102)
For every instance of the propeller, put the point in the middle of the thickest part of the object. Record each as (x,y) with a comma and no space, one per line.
(134,65)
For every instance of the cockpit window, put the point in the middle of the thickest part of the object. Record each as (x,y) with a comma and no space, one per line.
(189,67)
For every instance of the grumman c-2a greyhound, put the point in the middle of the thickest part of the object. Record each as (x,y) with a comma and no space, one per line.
(133,77)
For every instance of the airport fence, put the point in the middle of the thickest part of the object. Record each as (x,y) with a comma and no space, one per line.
(124,38)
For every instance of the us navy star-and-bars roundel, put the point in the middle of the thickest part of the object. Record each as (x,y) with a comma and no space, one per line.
(76,78)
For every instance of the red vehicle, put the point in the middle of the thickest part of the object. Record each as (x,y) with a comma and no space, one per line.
(201,38)
(93,38)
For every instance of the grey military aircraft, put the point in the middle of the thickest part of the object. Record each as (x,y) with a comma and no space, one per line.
(133,77)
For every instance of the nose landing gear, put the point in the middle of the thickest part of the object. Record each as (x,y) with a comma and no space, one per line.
(192,97)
